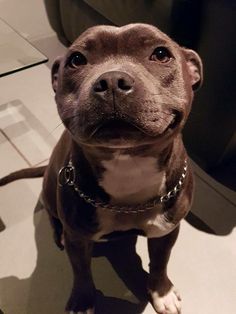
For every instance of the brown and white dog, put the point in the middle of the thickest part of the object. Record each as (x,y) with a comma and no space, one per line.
(124,95)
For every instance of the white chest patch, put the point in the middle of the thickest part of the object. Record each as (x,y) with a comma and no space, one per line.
(132,179)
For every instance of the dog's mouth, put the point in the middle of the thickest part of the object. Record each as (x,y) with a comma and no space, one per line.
(115,129)
(127,129)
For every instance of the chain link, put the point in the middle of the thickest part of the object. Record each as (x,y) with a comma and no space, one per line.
(140,208)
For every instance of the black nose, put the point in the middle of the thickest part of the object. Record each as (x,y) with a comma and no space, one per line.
(113,82)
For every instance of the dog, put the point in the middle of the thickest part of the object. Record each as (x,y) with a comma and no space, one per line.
(124,95)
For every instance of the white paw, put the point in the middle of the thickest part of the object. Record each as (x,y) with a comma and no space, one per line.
(63,244)
(88,311)
(170,303)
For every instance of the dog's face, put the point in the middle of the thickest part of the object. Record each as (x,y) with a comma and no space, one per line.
(125,86)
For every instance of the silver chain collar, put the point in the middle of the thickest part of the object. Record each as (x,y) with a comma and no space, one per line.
(67,176)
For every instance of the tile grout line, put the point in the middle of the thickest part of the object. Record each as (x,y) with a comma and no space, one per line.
(15,147)
(38,164)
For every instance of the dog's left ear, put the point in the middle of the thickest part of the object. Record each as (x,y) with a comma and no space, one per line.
(54,73)
(195,68)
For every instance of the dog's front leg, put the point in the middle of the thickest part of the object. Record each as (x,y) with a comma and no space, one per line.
(164,297)
(82,297)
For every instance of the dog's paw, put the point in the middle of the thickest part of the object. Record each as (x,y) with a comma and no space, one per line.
(169,303)
(88,311)
(81,302)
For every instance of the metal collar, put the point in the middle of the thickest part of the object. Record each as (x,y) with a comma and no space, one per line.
(67,176)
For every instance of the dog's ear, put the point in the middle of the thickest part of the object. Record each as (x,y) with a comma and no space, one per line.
(195,68)
(54,73)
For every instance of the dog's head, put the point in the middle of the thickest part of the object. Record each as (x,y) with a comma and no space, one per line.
(125,86)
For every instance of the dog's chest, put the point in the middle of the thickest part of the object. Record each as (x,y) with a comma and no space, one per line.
(132,180)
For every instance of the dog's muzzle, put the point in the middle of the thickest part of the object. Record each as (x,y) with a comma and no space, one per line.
(120,107)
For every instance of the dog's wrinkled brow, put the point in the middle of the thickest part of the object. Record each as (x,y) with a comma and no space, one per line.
(113,38)
(112,44)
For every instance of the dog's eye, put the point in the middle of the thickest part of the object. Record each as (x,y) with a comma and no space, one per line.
(77,59)
(161,54)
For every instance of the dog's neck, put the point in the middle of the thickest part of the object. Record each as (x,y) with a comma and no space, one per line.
(132,179)
(132,176)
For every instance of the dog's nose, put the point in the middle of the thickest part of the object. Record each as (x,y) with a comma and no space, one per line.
(113,82)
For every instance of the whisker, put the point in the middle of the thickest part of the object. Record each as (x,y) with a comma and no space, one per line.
(177,99)
(159,102)
(70,117)
(59,125)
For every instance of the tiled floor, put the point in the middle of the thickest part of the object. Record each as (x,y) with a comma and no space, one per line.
(35,277)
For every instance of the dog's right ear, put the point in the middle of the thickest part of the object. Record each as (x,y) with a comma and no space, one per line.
(54,73)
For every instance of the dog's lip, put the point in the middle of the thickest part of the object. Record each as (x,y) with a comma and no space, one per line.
(175,120)
(115,128)
(125,127)
(132,136)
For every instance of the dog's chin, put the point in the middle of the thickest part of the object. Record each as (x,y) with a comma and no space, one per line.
(122,134)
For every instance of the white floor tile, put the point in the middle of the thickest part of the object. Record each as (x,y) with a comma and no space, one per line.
(10,160)
(28,116)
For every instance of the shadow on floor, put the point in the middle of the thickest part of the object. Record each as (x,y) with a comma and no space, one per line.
(48,288)
(212,210)
(199,224)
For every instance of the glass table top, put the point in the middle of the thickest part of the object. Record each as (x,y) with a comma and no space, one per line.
(16,53)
